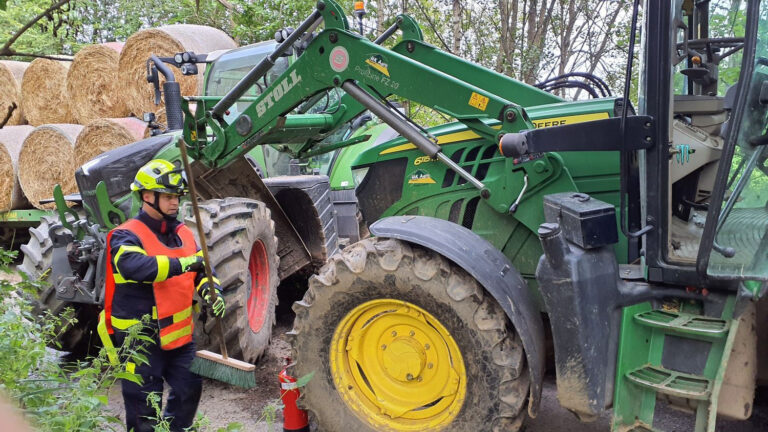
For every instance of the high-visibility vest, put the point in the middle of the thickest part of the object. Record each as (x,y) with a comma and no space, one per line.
(173,296)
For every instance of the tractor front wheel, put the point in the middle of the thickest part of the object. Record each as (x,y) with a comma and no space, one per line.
(401,339)
(242,246)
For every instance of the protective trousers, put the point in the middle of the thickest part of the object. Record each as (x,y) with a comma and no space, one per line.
(171,366)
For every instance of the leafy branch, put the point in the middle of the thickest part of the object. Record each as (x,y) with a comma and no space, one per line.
(7,51)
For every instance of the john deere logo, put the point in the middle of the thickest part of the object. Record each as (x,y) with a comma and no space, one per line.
(377,62)
(421,177)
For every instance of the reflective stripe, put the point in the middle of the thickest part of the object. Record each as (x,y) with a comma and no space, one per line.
(178,334)
(175,318)
(106,340)
(163,267)
(181,316)
(123,324)
(154,312)
(119,279)
(205,279)
(127,248)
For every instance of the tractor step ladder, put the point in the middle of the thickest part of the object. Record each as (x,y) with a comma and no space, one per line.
(650,338)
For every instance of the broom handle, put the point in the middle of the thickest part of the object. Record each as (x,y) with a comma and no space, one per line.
(203,245)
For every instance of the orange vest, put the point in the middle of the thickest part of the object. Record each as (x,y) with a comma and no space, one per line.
(173,296)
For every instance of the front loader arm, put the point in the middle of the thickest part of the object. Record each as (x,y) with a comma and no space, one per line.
(367,72)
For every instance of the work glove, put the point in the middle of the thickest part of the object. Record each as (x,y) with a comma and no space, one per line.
(192,263)
(218,306)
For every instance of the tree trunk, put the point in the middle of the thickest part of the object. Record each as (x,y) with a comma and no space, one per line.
(456,23)
(380,6)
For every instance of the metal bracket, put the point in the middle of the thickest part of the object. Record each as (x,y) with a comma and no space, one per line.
(598,135)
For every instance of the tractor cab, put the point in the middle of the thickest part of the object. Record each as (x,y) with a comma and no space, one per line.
(712,217)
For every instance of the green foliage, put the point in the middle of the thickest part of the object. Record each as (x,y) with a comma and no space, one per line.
(55,396)
(56,33)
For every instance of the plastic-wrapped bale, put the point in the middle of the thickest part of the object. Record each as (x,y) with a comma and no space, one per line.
(11,73)
(103,135)
(47,158)
(44,92)
(92,85)
(11,140)
(164,42)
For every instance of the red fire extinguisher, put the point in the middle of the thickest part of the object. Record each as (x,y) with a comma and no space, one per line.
(294,419)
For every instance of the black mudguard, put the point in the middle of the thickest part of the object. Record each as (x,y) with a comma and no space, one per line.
(491,269)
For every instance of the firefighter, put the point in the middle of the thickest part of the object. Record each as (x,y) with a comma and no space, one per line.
(154,269)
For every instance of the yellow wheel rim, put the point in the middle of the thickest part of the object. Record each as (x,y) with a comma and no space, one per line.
(397,367)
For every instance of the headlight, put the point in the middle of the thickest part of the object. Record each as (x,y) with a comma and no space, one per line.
(359,174)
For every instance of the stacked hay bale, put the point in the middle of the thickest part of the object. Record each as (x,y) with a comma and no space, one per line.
(11,140)
(11,74)
(106,134)
(92,84)
(164,42)
(100,88)
(47,159)
(44,92)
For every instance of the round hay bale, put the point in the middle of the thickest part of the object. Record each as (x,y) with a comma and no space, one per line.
(11,73)
(164,42)
(47,159)
(106,134)
(44,92)
(92,85)
(11,140)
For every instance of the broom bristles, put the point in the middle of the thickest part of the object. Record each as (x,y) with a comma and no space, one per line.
(230,371)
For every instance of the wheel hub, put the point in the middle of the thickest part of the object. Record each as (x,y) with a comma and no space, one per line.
(404,359)
(397,367)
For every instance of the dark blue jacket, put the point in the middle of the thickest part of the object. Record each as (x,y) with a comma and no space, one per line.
(136,298)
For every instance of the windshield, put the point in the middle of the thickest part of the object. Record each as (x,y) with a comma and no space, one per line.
(233,65)
(741,247)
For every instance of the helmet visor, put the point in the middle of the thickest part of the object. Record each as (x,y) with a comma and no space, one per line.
(174,181)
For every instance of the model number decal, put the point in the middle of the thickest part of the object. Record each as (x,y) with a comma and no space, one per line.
(422,159)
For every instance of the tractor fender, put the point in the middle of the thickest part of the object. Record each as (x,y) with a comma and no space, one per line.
(491,269)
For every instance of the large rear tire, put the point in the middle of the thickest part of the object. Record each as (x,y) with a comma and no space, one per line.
(399,338)
(240,235)
(36,264)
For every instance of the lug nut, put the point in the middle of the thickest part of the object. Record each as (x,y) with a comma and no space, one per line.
(383,347)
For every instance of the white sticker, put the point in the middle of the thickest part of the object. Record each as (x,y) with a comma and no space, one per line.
(339,59)
(289,386)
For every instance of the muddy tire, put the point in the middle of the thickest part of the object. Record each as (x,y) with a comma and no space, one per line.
(36,264)
(240,235)
(407,278)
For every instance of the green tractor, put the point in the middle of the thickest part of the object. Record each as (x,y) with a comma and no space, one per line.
(636,236)
(312,209)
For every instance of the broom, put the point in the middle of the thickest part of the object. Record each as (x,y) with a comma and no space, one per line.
(218,367)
